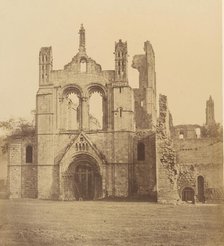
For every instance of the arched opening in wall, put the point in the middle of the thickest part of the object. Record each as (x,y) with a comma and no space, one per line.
(198,132)
(133,75)
(82,180)
(96,111)
(71,112)
(29,154)
(201,195)
(141,151)
(181,134)
(83,66)
(188,195)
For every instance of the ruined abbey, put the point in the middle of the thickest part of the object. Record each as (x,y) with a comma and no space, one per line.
(133,152)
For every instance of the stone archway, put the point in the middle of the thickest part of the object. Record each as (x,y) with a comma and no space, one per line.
(82,180)
(100,90)
(70,108)
(188,195)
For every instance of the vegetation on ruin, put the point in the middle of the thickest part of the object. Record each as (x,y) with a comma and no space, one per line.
(15,128)
(212,131)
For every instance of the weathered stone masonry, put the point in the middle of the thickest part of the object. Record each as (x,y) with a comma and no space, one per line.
(130,153)
(77,159)
(22,171)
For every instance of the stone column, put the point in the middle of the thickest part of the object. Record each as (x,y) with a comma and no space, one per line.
(85,113)
(63,113)
(104,185)
(61,186)
(105,115)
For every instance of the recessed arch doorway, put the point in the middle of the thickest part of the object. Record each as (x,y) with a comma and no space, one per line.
(84,181)
(87,181)
(188,194)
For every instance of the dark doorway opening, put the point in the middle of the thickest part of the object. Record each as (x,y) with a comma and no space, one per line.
(84,180)
(201,195)
(87,182)
(141,151)
(188,195)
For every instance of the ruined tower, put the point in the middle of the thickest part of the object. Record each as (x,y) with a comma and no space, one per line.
(210,114)
(123,110)
(121,61)
(45,64)
(75,155)
(145,95)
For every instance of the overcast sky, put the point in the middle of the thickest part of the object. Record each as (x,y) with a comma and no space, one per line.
(185,34)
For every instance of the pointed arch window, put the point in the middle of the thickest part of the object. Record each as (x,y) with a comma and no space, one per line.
(83,66)
(96,116)
(181,134)
(29,154)
(141,151)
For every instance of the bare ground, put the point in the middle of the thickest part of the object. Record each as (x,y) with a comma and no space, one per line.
(35,222)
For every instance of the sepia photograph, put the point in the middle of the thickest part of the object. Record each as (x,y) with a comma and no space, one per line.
(111,123)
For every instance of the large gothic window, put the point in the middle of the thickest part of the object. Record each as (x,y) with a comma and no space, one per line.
(73,111)
(29,154)
(83,66)
(70,114)
(96,111)
(141,151)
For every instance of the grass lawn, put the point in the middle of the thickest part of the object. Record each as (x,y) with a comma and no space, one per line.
(36,222)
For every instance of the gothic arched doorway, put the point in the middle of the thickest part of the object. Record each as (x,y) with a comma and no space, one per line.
(188,195)
(84,181)
(87,182)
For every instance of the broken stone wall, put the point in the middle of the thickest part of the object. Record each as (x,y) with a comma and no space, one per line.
(167,168)
(145,95)
(200,157)
(187,131)
(143,120)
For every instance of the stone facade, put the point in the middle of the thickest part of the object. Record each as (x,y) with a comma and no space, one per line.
(74,157)
(22,168)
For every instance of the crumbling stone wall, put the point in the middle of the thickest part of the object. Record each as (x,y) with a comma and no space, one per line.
(145,95)
(167,168)
(187,131)
(200,157)
(143,120)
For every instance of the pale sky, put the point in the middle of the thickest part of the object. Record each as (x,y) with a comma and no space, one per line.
(185,34)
